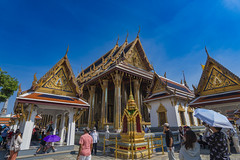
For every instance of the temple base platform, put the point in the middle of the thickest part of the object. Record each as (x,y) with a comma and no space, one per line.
(138,150)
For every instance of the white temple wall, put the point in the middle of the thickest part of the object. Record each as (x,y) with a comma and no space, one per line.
(171,112)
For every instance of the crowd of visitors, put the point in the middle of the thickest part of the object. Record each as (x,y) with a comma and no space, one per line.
(217,140)
(10,141)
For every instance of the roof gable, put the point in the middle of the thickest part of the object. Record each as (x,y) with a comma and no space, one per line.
(157,85)
(160,84)
(135,55)
(59,80)
(216,79)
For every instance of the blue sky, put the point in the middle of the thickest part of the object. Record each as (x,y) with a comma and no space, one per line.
(34,34)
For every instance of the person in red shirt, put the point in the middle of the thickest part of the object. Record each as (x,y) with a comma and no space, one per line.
(86,145)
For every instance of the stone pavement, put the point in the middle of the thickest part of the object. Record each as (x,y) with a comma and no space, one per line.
(156,156)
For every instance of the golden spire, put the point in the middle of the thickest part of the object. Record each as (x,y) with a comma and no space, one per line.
(206,51)
(66,52)
(181,81)
(19,90)
(165,75)
(138,32)
(131,102)
(34,79)
(126,37)
(117,40)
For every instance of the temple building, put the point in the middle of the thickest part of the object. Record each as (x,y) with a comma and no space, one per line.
(168,103)
(218,88)
(105,84)
(56,99)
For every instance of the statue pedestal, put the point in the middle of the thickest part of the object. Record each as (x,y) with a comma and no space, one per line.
(140,150)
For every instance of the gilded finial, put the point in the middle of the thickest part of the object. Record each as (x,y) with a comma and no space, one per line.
(117,40)
(181,81)
(131,102)
(66,52)
(126,37)
(34,79)
(194,88)
(184,80)
(206,51)
(203,66)
(138,32)
(19,90)
(165,75)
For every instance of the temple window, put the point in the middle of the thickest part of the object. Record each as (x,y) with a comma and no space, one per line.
(181,111)
(162,115)
(190,115)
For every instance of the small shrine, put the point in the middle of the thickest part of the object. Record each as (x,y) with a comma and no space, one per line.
(132,134)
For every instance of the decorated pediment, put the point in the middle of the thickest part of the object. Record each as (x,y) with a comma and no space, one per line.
(59,81)
(161,108)
(158,86)
(135,59)
(135,55)
(216,79)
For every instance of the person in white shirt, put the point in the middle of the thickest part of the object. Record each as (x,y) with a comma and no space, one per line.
(95,137)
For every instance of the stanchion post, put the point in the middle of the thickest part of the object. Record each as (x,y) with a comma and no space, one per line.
(115,147)
(162,145)
(104,143)
(152,143)
(132,149)
(148,148)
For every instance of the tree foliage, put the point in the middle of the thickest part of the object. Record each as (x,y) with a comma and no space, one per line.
(8,85)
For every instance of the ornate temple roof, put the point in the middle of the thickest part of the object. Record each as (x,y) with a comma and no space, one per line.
(59,80)
(127,54)
(57,87)
(217,85)
(162,87)
(52,99)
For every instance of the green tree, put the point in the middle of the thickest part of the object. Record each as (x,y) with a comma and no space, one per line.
(8,85)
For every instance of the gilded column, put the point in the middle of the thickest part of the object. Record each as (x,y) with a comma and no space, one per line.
(137,84)
(104,86)
(117,80)
(91,108)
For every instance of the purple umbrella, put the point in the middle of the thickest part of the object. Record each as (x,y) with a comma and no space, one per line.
(52,138)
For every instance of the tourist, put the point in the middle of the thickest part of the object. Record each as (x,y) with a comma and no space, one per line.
(95,137)
(200,141)
(169,141)
(4,136)
(50,128)
(146,129)
(180,130)
(218,144)
(207,131)
(190,149)
(15,145)
(86,145)
(42,145)
(49,146)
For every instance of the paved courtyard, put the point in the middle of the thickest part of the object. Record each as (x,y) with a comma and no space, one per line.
(156,156)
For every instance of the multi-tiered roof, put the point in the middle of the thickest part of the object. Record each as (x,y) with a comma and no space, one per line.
(129,57)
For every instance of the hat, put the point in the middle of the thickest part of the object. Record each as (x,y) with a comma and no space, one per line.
(166,125)
(86,129)
(94,128)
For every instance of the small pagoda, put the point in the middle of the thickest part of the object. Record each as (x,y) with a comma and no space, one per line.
(132,134)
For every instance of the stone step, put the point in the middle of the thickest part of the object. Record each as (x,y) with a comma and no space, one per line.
(46,155)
